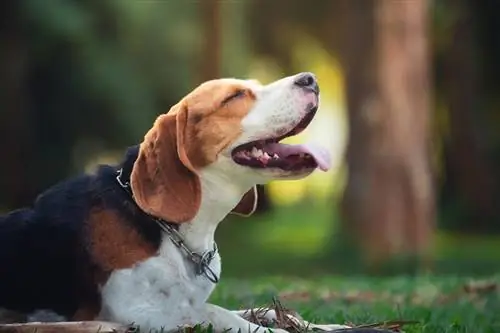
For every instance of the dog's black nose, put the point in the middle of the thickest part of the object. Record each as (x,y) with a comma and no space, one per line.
(307,81)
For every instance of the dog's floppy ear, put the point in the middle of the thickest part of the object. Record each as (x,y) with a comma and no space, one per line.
(163,180)
(247,204)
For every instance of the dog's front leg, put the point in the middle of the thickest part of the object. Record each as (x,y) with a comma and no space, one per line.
(223,320)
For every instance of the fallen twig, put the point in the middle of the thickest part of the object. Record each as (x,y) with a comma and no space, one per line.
(63,327)
(283,321)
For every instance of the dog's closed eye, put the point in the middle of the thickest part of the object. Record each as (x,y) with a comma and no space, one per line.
(233,96)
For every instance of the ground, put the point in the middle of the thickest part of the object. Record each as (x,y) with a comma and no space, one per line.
(437,304)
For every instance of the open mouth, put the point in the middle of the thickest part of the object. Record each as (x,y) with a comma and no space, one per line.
(270,153)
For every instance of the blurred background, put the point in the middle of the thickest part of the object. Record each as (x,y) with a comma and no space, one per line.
(409,109)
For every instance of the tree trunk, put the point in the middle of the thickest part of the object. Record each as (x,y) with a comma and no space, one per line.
(389,201)
(16,186)
(212,46)
(469,171)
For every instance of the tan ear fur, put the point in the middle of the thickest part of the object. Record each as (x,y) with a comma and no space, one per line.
(247,204)
(163,180)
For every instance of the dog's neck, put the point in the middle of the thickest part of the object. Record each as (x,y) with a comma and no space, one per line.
(220,194)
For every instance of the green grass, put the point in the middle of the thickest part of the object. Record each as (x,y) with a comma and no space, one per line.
(439,304)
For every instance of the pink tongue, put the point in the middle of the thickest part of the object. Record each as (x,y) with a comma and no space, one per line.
(320,154)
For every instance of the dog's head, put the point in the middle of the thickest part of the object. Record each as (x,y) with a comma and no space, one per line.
(228,127)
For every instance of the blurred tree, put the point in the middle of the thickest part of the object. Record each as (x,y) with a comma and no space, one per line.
(470,185)
(82,78)
(467,163)
(210,61)
(389,199)
(16,136)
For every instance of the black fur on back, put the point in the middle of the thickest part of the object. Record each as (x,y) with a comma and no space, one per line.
(45,262)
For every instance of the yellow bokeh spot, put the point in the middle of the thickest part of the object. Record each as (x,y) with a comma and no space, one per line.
(286,192)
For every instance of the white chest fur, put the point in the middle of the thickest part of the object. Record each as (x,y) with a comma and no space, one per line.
(158,292)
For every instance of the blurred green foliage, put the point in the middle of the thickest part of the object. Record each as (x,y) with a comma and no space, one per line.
(92,76)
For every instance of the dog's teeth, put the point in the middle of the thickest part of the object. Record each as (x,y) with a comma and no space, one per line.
(243,154)
(256,152)
(266,155)
(275,156)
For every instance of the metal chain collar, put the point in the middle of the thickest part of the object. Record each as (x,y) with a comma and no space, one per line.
(201,261)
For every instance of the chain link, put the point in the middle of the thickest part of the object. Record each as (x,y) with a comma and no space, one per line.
(201,261)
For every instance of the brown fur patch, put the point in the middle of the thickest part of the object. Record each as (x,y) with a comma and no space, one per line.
(115,244)
(189,137)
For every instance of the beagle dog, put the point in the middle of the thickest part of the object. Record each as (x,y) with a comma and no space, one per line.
(134,242)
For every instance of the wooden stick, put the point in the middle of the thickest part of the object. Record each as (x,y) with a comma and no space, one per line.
(65,326)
